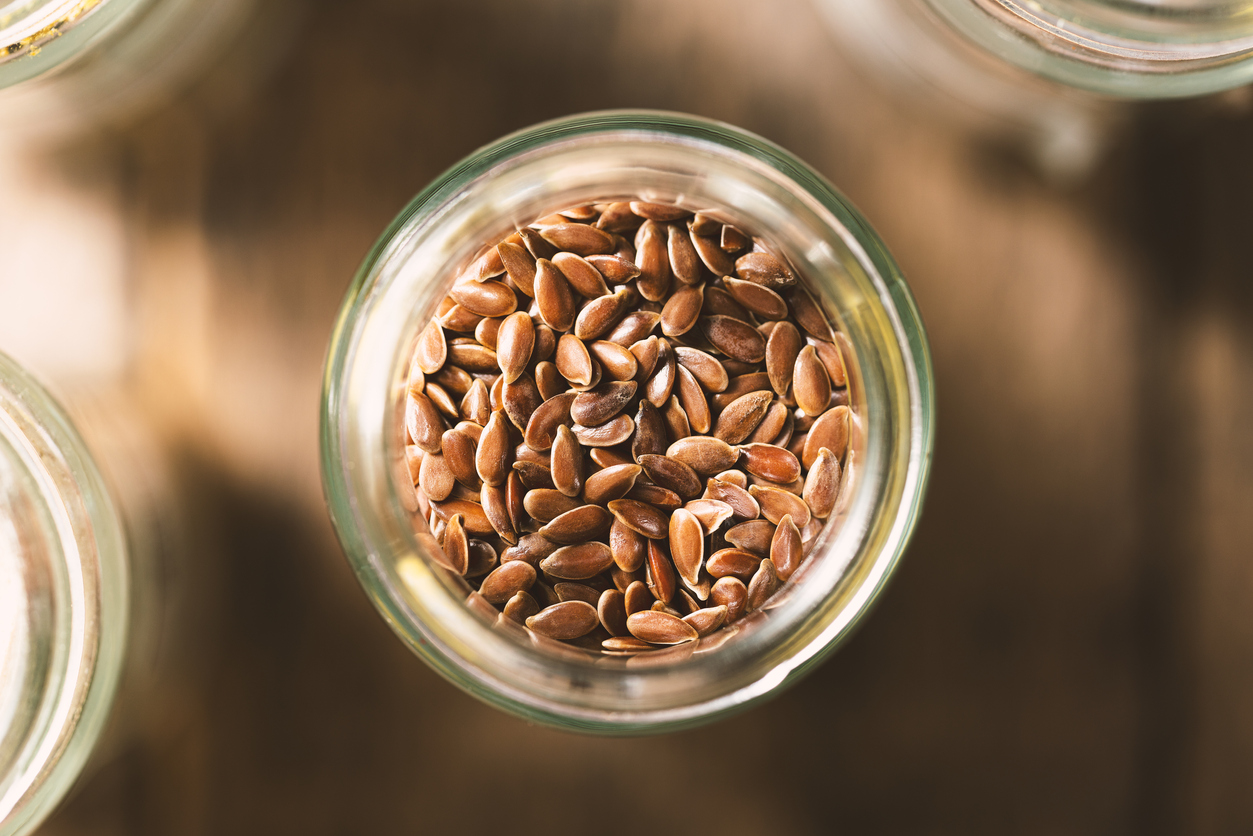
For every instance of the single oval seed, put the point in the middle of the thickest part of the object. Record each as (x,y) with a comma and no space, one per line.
(682,310)
(672,474)
(684,261)
(777,503)
(810,384)
(662,498)
(830,431)
(743,415)
(507,581)
(735,338)
(707,620)
(520,265)
(618,361)
(764,583)
(611,483)
(822,484)
(785,547)
(577,562)
(614,268)
(809,316)
(545,504)
(653,261)
(553,296)
(627,545)
(457,545)
(634,327)
(521,607)
(713,256)
(424,422)
(639,517)
(578,526)
(687,544)
(692,399)
(742,502)
(564,620)
(659,572)
(567,462)
(611,609)
(602,403)
(432,349)
(608,434)
(603,313)
(659,386)
(514,343)
(660,628)
(573,360)
(759,299)
(755,536)
(580,239)
(496,509)
(769,462)
(730,592)
(534,475)
(459,454)
(764,269)
(704,454)
(486,298)
(434,477)
(782,349)
(637,598)
(492,458)
(582,276)
(732,563)
(530,548)
(541,429)
(709,373)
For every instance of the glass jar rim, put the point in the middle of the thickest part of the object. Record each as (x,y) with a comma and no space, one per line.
(45,33)
(343,476)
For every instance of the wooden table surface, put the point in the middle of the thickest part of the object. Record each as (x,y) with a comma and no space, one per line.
(1068,646)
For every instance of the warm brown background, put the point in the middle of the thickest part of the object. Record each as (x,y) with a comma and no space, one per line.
(1068,647)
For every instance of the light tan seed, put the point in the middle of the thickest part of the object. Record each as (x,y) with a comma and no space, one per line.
(692,399)
(603,402)
(810,383)
(713,256)
(711,374)
(704,454)
(769,462)
(662,498)
(653,260)
(424,422)
(611,609)
(521,607)
(541,429)
(634,327)
(712,513)
(785,547)
(764,269)
(759,299)
(546,504)
(831,430)
(612,483)
(687,544)
(732,240)
(639,517)
(705,621)
(677,424)
(457,545)
(627,545)
(507,581)
(432,349)
(580,239)
(822,484)
(487,298)
(743,415)
(672,474)
(578,526)
(730,592)
(764,583)
(732,563)
(460,320)
(659,572)
(564,620)
(494,452)
(435,478)
(754,536)
(735,338)
(682,310)
(514,343)
(614,268)
(582,276)
(577,562)
(567,462)
(521,266)
(459,454)
(549,381)
(637,598)
(659,386)
(553,296)
(614,431)
(684,262)
(808,315)
(777,503)
(660,628)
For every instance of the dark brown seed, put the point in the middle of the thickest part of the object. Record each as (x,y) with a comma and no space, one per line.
(650,432)
(682,310)
(496,509)
(830,431)
(565,620)
(459,454)
(582,276)
(712,513)
(822,484)
(577,562)
(486,298)
(785,547)
(735,338)
(731,593)
(676,419)
(777,503)
(684,262)
(704,454)
(435,478)
(432,349)
(492,459)
(714,257)
(580,239)
(659,386)
(633,328)
(514,344)
(764,583)
(639,517)
(732,563)
(757,298)
(611,609)
(660,628)
(611,483)
(809,316)
(687,544)
(534,476)
(743,415)
(764,269)
(653,261)
(662,498)
(521,607)
(515,492)
(507,581)
(567,462)
(627,545)
(659,572)
(810,383)
(637,598)
(531,548)
(545,420)
(521,266)
(614,268)
(711,374)
(692,399)
(457,545)
(578,526)
(614,431)
(545,505)
(424,422)
(553,296)
(672,474)
(603,402)
(754,536)
(544,594)
(705,621)
(770,462)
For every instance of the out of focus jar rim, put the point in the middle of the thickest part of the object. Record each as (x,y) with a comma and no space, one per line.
(44,34)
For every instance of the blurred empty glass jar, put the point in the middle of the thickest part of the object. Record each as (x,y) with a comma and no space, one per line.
(65,64)
(597,157)
(63,601)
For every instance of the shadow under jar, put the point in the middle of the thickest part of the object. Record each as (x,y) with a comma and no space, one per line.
(517,182)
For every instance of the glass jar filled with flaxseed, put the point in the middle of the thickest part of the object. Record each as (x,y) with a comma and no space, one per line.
(627,421)
(64,591)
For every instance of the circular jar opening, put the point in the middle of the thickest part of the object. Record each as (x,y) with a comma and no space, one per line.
(63,602)
(667,159)
(38,35)
(1130,48)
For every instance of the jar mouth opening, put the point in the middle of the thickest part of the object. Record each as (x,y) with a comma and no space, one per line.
(27,26)
(513,182)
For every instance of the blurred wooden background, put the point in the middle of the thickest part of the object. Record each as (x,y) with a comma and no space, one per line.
(1068,647)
